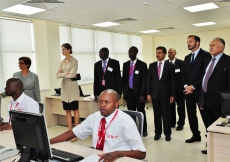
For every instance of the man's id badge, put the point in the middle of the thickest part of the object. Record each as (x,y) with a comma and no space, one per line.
(103,82)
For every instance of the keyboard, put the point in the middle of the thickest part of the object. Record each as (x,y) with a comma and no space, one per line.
(65,156)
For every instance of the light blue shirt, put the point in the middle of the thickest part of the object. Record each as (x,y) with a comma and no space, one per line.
(195,54)
(216,61)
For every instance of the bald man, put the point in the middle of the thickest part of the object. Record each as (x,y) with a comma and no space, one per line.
(180,97)
(20,101)
(120,138)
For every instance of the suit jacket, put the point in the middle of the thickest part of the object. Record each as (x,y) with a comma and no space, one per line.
(31,86)
(164,88)
(179,68)
(139,78)
(112,77)
(219,81)
(193,74)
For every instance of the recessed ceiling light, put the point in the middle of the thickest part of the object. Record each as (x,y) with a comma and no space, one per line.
(204,24)
(202,7)
(149,31)
(23,9)
(106,24)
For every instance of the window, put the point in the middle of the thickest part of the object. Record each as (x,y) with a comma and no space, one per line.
(87,43)
(15,42)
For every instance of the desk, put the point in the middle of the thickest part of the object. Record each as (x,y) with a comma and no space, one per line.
(54,109)
(218,144)
(7,139)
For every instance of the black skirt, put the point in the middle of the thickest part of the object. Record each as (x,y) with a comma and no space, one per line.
(70,106)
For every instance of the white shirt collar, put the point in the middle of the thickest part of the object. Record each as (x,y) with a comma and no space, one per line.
(161,62)
(109,118)
(173,61)
(19,100)
(134,62)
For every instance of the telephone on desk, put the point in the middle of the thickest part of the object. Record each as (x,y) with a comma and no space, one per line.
(7,152)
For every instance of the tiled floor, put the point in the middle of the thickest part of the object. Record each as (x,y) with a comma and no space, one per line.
(161,151)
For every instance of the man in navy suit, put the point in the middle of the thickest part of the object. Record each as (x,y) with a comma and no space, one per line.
(133,83)
(216,79)
(107,74)
(160,90)
(179,100)
(193,74)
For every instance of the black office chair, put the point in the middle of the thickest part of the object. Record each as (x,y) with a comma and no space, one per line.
(137,115)
(41,107)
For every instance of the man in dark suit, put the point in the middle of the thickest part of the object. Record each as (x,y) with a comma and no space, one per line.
(194,64)
(216,79)
(133,83)
(107,74)
(180,97)
(160,90)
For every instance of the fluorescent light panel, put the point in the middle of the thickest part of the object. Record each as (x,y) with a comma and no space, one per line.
(149,31)
(204,24)
(202,7)
(106,24)
(23,9)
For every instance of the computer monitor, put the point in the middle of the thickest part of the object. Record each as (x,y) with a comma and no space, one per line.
(30,136)
(225,104)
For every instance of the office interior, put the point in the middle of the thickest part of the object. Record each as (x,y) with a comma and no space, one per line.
(47,58)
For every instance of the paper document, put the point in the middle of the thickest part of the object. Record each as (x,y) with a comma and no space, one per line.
(91,158)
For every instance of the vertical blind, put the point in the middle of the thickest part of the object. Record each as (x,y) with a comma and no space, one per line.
(15,42)
(87,43)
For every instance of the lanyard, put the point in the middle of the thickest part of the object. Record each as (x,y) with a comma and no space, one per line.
(101,135)
(11,109)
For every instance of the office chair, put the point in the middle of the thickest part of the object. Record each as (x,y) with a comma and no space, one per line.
(41,107)
(135,115)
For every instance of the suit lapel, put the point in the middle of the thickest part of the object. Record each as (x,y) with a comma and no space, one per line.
(164,69)
(28,80)
(218,64)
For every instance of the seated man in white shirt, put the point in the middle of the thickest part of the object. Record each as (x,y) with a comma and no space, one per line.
(120,137)
(20,101)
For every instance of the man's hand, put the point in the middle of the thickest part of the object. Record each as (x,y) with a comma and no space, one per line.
(142,99)
(201,108)
(6,126)
(188,90)
(109,157)
(171,99)
(95,98)
(60,71)
(149,98)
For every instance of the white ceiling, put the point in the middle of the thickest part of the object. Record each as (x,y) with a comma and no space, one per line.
(156,15)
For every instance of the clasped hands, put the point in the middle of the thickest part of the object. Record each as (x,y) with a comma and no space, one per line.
(60,71)
(188,89)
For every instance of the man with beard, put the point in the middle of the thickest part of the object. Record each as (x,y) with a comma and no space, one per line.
(194,64)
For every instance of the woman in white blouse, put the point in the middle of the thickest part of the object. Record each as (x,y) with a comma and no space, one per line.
(69,89)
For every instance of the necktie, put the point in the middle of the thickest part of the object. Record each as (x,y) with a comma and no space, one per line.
(101,135)
(171,62)
(104,67)
(159,70)
(192,58)
(207,76)
(131,76)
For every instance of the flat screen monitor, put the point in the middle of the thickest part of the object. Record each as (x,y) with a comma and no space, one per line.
(30,136)
(225,105)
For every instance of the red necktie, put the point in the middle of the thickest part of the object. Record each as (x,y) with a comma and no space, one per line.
(101,135)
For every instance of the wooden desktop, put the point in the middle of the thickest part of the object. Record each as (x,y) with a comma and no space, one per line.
(218,144)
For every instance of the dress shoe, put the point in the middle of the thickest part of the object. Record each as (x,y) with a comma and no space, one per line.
(179,128)
(157,137)
(204,151)
(193,139)
(145,134)
(167,138)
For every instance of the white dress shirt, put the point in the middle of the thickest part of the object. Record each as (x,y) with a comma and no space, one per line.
(23,103)
(107,60)
(122,133)
(162,67)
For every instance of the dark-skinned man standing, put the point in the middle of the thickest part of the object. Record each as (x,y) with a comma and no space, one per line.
(160,90)
(120,137)
(107,74)
(179,99)
(133,83)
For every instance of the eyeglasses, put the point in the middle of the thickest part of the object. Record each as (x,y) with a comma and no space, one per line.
(21,63)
